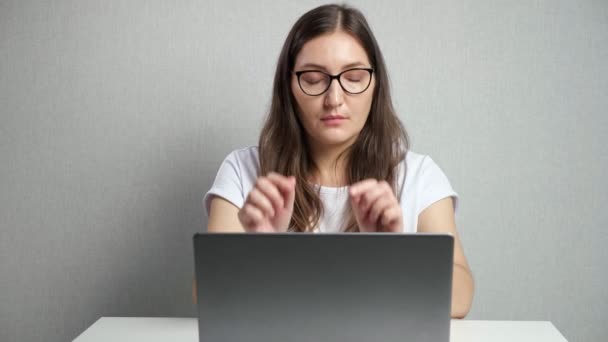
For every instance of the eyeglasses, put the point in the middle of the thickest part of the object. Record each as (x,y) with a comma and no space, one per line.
(352,81)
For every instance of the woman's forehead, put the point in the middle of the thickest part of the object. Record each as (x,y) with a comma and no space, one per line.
(333,52)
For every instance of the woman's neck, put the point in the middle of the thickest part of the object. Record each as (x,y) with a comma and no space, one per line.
(331,165)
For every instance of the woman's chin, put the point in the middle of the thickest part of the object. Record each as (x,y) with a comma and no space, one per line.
(334,140)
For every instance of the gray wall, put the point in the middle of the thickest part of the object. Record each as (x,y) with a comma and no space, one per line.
(115,116)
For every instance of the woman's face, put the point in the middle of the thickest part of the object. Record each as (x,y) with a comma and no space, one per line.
(332,53)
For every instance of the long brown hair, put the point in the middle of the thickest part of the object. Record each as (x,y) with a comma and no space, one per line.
(380,146)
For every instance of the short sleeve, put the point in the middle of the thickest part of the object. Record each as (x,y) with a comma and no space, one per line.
(434,186)
(227,184)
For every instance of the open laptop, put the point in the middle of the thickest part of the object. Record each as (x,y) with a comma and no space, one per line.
(304,287)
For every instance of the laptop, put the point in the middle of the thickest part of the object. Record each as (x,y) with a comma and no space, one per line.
(306,287)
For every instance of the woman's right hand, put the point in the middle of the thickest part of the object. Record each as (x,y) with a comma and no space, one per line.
(269,205)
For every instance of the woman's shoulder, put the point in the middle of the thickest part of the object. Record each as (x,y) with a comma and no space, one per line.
(235,177)
(415,161)
(246,163)
(414,158)
(248,155)
(426,182)
(419,166)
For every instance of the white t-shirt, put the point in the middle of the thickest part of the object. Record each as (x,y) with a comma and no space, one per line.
(425,183)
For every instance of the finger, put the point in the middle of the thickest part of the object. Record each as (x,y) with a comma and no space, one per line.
(291,193)
(259,200)
(391,215)
(370,196)
(271,192)
(356,210)
(252,215)
(384,200)
(378,207)
(362,186)
(286,186)
(283,182)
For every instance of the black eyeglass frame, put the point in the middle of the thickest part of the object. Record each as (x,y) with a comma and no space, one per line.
(334,77)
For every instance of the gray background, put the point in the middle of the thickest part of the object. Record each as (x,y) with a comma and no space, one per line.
(116,115)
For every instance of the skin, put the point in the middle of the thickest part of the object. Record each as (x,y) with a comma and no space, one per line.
(269,205)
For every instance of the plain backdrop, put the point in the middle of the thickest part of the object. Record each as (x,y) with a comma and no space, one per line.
(115,116)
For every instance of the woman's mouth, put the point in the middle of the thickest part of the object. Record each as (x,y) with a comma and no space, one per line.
(333,120)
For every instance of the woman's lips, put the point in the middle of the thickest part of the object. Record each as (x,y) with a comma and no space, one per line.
(333,120)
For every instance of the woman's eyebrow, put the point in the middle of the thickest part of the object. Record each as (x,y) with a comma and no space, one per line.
(347,66)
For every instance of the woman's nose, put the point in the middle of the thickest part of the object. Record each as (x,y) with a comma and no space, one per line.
(335,95)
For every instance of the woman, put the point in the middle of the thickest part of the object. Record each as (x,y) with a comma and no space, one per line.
(333,155)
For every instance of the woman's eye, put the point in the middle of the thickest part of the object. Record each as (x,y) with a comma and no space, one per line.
(313,78)
(354,80)
(309,81)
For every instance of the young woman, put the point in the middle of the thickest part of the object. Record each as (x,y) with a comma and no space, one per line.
(333,155)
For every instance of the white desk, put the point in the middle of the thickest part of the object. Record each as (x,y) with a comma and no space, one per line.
(128,329)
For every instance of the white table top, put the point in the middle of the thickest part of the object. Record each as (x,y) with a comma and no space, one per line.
(119,329)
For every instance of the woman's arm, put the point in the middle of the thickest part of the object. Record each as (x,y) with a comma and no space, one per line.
(439,218)
(223,217)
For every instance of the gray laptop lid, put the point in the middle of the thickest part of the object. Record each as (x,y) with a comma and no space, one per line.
(302,287)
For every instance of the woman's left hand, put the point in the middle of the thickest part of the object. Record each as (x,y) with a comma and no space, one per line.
(375,207)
